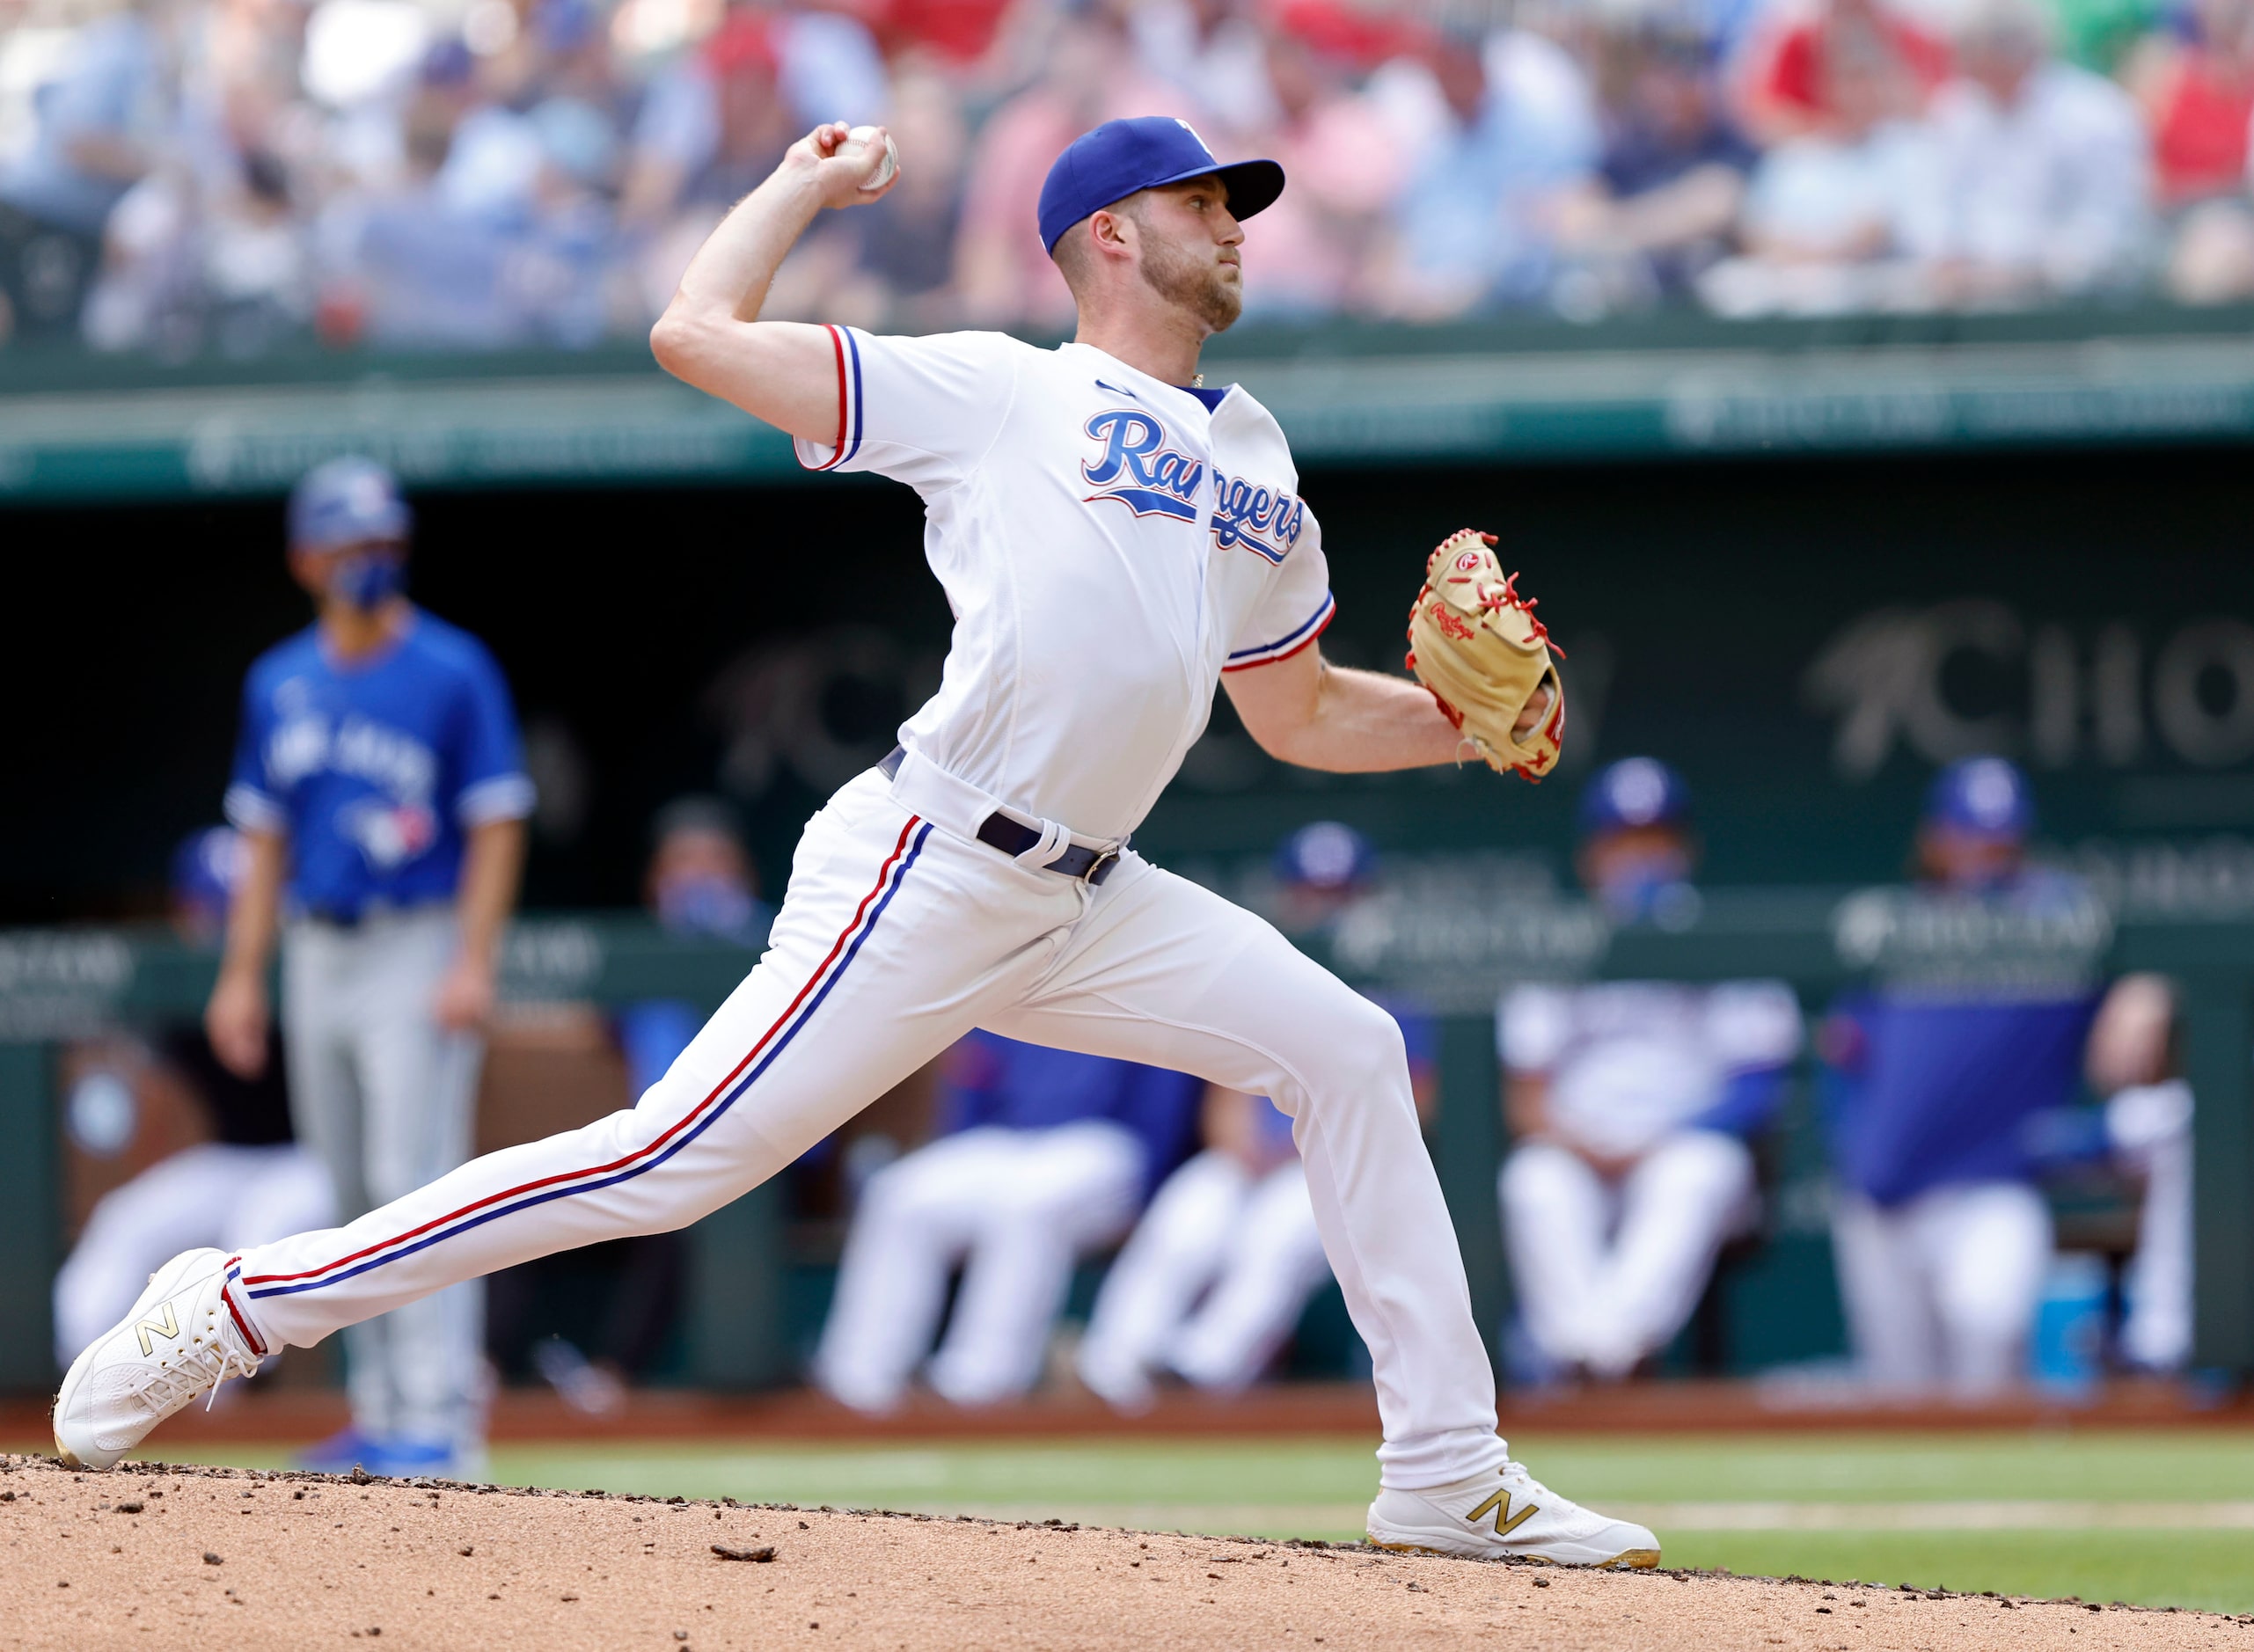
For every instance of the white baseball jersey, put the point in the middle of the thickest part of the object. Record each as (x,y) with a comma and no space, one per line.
(1630,1061)
(1109,546)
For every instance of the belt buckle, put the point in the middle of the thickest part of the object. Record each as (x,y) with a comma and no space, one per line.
(1098,867)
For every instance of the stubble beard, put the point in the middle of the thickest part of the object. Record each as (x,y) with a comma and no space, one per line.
(1198,288)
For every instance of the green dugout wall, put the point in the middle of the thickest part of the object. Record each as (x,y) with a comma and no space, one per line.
(1446,933)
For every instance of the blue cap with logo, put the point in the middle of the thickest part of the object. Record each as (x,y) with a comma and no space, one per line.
(350,500)
(1121,157)
(1325,854)
(1634,791)
(1987,796)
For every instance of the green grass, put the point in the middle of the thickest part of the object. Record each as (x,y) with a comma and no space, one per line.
(1317,1487)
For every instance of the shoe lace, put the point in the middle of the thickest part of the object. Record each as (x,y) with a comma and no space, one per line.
(198,1368)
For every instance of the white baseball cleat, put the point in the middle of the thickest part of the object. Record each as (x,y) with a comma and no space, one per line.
(182,1338)
(1508,1515)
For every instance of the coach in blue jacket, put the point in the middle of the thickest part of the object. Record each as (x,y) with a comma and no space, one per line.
(380,789)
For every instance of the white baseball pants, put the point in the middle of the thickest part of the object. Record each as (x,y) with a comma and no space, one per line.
(214,1195)
(1607,1272)
(2150,1127)
(896,938)
(387,1099)
(1212,1281)
(1941,1293)
(1016,1209)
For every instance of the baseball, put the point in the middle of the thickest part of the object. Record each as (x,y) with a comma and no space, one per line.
(863,136)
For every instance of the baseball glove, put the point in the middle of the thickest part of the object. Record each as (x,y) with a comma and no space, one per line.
(1475,644)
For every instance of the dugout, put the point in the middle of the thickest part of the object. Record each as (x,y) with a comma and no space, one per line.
(1802,562)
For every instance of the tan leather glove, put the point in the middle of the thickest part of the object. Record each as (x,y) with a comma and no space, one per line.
(1474,642)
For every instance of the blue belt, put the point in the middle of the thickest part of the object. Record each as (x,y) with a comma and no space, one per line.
(1013,838)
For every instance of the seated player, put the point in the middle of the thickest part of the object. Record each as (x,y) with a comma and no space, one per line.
(2133,1063)
(1218,1270)
(1043,1156)
(1631,1103)
(250,1184)
(1941,1236)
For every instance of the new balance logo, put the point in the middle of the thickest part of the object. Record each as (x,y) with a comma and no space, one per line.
(164,1325)
(1499,1506)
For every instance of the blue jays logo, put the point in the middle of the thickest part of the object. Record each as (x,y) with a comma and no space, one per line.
(1265,520)
(1138,470)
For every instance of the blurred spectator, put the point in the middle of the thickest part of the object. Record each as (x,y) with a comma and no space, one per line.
(1312,251)
(1042,1155)
(699,886)
(96,122)
(2197,91)
(248,1185)
(1512,129)
(2041,170)
(1829,219)
(1665,198)
(1790,86)
(1941,1238)
(906,241)
(1214,54)
(1630,1104)
(225,176)
(2198,95)
(1003,276)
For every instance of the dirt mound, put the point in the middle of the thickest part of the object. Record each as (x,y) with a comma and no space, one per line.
(241,1559)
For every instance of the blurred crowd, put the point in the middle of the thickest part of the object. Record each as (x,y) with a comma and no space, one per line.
(182,176)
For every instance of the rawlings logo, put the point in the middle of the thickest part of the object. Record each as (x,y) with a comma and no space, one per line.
(1151,478)
(1470,560)
(1264,520)
(1449,625)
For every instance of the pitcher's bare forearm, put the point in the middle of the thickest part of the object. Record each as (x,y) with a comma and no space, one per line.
(1305,710)
(711,336)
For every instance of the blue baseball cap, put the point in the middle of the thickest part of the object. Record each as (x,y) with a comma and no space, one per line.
(1121,157)
(1634,791)
(347,501)
(1325,854)
(1988,796)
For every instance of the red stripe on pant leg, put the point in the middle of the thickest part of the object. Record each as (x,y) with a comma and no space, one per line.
(838,348)
(883,874)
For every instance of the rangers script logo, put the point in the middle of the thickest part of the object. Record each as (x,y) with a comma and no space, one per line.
(1140,470)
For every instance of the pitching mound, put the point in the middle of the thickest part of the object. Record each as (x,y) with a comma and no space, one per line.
(240,1559)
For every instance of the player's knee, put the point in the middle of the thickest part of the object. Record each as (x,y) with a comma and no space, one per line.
(1534,1175)
(1367,1055)
(1703,1162)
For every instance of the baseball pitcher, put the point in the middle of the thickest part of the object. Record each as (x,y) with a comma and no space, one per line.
(1115,538)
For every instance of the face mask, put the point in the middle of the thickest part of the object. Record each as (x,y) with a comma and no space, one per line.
(704,905)
(368,582)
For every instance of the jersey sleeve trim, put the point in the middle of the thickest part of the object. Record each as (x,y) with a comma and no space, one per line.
(249,809)
(1288,644)
(502,797)
(847,351)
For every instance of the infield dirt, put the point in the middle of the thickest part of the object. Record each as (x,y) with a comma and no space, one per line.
(150,1555)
